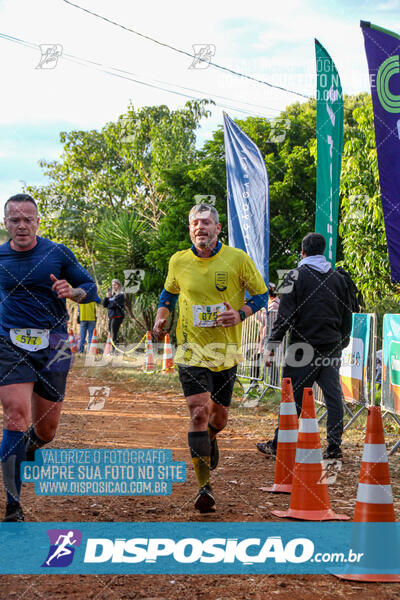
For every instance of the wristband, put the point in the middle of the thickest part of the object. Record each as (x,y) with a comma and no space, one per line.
(242,315)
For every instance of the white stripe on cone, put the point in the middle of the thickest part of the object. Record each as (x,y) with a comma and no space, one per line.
(308,455)
(287,408)
(374,494)
(287,435)
(308,426)
(374,453)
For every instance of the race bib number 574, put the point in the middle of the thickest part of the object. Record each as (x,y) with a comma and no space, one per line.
(205,315)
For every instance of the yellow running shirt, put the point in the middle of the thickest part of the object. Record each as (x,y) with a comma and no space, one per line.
(87,311)
(203,284)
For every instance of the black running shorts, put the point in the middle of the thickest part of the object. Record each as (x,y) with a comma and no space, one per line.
(197,380)
(47,368)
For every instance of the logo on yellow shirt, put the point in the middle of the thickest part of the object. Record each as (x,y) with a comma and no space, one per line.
(221,280)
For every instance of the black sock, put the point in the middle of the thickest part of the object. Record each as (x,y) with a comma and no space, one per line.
(32,443)
(12,453)
(200,449)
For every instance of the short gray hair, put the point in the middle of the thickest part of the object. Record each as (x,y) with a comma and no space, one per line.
(203,208)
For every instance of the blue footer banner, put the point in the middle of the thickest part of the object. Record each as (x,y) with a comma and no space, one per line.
(200,548)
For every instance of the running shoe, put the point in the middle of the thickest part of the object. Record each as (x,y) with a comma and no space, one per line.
(267,448)
(332,452)
(205,501)
(14,513)
(214,455)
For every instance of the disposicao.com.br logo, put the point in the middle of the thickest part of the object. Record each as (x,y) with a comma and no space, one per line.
(247,551)
(200,548)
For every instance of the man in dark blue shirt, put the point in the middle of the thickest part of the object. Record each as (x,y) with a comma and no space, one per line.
(36,276)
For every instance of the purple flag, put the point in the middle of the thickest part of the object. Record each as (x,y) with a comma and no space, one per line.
(383,55)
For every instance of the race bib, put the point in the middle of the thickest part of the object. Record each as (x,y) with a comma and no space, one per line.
(205,315)
(30,339)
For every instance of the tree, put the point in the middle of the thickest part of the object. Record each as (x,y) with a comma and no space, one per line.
(121,246)
(114,169)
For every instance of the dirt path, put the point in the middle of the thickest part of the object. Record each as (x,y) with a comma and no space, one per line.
(152,420)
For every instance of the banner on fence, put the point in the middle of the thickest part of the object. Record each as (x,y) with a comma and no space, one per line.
(353,371)
(391,363)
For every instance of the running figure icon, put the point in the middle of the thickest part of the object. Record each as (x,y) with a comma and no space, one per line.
(62,549)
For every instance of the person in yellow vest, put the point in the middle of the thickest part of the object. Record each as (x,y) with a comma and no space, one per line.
(209,280)
(87,322)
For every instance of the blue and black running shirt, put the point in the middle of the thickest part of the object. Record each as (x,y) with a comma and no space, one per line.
(26,297)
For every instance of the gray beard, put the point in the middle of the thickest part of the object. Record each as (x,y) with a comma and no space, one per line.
(207,244)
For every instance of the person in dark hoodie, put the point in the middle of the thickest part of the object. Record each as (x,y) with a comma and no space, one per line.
(316,309)
(115,305)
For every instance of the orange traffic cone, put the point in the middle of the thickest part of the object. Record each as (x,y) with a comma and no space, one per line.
(72,342)
(107,347)
(167,361)
(149,363)
(374,505)
(310,499)
(287,439)
(374,495)
(93,343)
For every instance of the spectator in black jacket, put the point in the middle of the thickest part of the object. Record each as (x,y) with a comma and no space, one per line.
(315,308)
(115,305)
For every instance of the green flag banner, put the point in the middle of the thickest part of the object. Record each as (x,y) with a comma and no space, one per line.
(329,149)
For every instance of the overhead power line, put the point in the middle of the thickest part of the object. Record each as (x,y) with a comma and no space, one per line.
(128,75)
(146,37)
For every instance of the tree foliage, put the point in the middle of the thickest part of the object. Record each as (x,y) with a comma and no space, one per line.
(103,199)
(122,243)
(116,168)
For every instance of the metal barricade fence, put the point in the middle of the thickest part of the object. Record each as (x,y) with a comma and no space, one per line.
(273,374)
(255,333)
(252,346)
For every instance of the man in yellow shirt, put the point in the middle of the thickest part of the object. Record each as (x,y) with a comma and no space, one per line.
(87,322)
(210,280)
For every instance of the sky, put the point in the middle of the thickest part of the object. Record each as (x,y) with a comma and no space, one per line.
(268,40)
